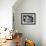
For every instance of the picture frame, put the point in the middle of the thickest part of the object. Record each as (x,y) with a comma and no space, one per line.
(28,18)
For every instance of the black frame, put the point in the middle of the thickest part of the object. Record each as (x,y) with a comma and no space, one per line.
(31,18)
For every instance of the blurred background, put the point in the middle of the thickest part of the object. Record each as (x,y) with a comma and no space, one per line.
(37,32)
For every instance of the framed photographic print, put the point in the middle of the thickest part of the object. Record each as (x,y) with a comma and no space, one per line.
(28,18)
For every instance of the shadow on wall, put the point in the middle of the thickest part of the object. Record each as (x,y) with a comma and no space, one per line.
(16,23)
(17,4)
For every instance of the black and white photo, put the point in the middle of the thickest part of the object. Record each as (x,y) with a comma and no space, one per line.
(28,18)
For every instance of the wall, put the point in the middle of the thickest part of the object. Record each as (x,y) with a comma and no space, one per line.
(29,31)
(6,13)
(43,22)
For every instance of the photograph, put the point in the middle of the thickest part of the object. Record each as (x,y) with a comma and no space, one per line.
(28,18)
